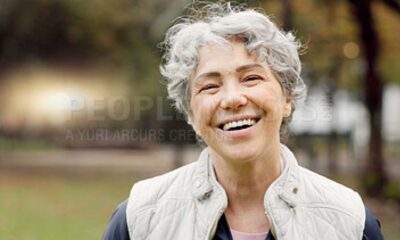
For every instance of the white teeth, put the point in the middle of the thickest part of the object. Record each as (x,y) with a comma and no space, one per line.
(234,124)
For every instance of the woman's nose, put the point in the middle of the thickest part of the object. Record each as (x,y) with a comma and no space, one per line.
(233,100)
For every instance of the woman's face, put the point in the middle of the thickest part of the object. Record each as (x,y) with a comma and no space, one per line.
(237,105)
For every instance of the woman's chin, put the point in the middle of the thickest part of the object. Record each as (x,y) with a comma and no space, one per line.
(237,155)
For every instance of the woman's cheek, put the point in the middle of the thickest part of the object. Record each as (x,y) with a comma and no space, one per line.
(263,98)
(268,100)
(203,107)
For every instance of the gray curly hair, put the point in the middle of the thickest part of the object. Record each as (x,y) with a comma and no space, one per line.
(218,23)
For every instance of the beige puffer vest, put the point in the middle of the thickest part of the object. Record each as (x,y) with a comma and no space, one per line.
(187,203)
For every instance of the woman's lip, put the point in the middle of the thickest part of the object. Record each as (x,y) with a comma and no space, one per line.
(238,119)
(240,132)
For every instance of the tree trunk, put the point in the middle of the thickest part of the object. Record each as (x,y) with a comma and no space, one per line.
(287,15)
(374,177)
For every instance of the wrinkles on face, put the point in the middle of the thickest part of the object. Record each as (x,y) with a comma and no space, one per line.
(230,84)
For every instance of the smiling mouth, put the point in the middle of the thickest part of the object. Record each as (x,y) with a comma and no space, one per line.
(239,125)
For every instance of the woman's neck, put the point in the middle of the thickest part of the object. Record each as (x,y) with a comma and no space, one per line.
(247,179)
(245,184)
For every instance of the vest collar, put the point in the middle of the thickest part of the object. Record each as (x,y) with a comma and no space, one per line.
(283,190)
(202,187)
(285,186)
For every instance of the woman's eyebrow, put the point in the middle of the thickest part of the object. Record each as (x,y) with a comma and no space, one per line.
(207,75)
(238,69)
(249,67)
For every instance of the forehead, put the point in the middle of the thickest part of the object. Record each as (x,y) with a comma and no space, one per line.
(224,58)
(223,51)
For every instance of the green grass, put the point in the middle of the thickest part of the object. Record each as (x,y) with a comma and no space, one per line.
(58,207)
(7,144)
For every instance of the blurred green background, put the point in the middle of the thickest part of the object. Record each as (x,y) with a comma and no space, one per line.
(84,112)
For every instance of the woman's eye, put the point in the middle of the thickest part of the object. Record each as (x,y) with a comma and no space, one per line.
(252,78)
(208,87)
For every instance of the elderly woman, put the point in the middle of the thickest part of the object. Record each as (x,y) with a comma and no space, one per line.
(236,77)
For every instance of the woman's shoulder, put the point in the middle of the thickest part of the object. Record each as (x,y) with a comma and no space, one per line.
(326,193)
(117,228)
(148,192)
(339,196)
(372,227)
(325,185)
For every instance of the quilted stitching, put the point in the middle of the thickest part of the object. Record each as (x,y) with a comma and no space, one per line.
(318,209)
